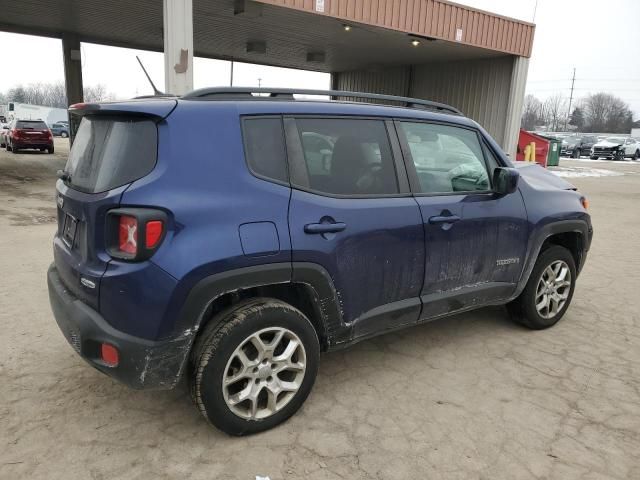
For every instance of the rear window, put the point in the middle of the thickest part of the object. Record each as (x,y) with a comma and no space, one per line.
(34,124)
(109,152)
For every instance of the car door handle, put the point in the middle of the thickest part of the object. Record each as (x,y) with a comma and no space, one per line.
(320,228)
(443,219)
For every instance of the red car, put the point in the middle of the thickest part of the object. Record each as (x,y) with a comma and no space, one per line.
(25,134)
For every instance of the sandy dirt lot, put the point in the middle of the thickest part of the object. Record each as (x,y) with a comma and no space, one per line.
(469,397)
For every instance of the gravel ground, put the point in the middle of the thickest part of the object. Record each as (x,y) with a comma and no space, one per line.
(469,397)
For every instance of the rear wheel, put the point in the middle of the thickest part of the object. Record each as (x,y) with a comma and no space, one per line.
(64,135)
(593,157)
(636,156)
(254,366)
(549,290)
(14,149)
(50,149)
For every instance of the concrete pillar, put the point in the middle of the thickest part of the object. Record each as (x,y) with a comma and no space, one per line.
(178,46)
(72,59)
(514,108)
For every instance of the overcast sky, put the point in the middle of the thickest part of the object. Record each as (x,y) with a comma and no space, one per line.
(600,39)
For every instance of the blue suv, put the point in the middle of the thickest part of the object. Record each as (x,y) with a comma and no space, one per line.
(229,237)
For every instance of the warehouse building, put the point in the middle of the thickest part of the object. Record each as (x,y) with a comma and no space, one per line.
(474,60)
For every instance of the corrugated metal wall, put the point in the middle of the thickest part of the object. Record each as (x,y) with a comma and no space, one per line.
(481,89)
(432,18)
(391,81)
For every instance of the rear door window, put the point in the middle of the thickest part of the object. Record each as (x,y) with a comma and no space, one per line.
(109,152)
(347,156)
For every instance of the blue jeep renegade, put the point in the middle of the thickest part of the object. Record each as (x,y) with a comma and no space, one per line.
(230,238)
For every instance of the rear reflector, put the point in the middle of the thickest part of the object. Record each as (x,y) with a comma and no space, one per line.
(109,355)
(153,233)
(128,234)
(585,203)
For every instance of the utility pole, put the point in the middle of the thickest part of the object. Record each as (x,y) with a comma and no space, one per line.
(573,82)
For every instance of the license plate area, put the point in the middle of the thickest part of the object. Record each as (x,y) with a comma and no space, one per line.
(69,227)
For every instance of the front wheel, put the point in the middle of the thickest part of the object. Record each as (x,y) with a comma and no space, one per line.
(619,155)
(576,153)
(14,149)
(636,156)
(64,135)
(549,290)
(254,366)
(593,157)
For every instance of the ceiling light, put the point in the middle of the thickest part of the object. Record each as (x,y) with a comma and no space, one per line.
(347,28)
(415,42)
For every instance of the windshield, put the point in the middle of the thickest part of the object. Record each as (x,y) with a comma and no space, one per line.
(614,140)
(109,152)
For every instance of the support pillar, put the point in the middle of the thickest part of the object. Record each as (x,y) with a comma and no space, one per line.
(178,46)
(514,109)
(72,59)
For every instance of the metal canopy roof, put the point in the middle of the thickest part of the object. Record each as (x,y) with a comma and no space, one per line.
(294,34)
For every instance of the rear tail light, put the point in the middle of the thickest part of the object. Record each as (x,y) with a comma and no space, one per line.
(135,233)
(128,234)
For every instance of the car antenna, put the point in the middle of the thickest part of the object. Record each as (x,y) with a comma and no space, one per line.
(155,90)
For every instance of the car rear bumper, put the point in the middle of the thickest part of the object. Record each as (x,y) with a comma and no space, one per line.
(143,364)
(32,144)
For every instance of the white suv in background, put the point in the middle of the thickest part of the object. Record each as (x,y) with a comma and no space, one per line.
(616,148)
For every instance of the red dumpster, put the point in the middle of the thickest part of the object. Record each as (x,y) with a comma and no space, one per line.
(540,145)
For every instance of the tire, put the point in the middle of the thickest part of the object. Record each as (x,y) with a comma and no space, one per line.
(64,135)
(636,156)
(619,155)
(593,157)
(216,354)
(523,309)
(50,149)
(576,153)
(14,149)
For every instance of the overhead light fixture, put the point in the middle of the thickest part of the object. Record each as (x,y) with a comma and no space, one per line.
(415,42)
(347,28)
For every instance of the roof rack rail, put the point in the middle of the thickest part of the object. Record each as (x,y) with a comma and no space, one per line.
(246,93)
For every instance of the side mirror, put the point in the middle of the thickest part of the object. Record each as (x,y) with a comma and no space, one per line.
(505,180)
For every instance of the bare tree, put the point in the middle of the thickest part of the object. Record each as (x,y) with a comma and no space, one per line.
(554,111)
(54,94)
(607,113)
(97,93)
(531,112)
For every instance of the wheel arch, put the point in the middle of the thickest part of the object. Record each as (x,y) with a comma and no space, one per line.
(305,286)
(575,235)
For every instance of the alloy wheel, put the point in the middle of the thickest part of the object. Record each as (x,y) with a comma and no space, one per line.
(264,373)
(553,289)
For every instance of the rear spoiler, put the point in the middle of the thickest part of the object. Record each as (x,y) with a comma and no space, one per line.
(157,109)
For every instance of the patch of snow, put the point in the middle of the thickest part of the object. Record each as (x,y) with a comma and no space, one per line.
(626,162)
(574,172)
